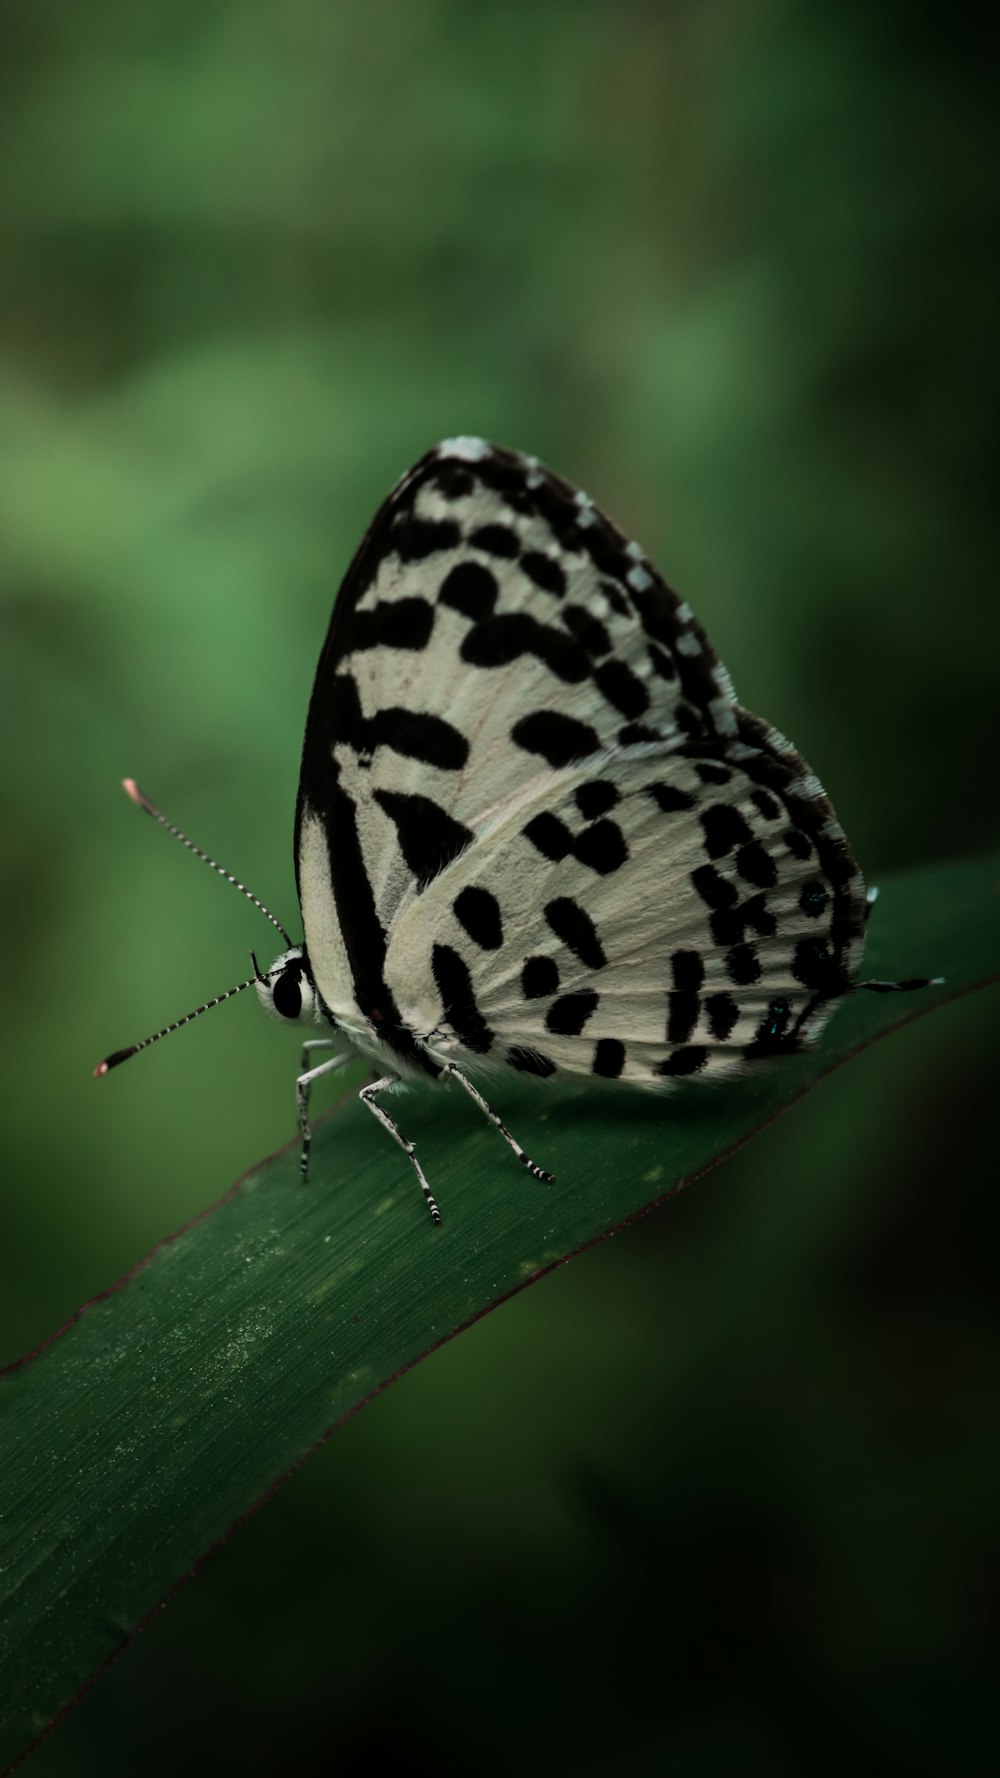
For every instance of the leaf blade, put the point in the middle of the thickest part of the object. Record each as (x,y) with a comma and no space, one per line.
(141,1434)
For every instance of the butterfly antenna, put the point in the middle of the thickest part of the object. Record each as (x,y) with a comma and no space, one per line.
(141,799)
(119,1056)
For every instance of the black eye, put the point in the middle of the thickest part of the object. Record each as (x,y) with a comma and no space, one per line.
(287,994)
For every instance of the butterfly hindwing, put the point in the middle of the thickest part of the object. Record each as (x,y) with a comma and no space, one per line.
(645,916)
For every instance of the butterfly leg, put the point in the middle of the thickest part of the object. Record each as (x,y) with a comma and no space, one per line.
(487,1110)
(917,981)
(367,1097)
(303,1084)
(907,987)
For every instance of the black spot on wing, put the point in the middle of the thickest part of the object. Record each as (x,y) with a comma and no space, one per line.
(635,733)
(470,588)
(616,598)
(596,798)
(414,539)
(415,735)
(743,965)
(478,912)
(609,1057)
(557,738)
(410,733)
(714,890)
(669,798)
(567,1016)
(605,546)
(837,861)
(682,1016)
(549,836)
(661,662)
(813,899)
(588,630)
(815,967)
(570,922)
(496,540)
(682,1061)
(498,640)
(504,471)
(622,688)
(539,978)
(688,971)
(709,773)
(755,865)
(555,504)
(722,1013)
(429,838)
(454,984)
(530,1061)
(765,804)
(601,847)
(453,483)
(730,924)
(724,828)
(544,572)
(390,623)
(798,843)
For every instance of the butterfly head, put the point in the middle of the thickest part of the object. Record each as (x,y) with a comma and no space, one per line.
(285,990)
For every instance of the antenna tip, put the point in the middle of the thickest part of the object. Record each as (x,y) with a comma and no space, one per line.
(110,1062)
(131,789)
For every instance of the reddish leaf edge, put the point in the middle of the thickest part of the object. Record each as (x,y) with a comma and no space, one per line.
(906,1018)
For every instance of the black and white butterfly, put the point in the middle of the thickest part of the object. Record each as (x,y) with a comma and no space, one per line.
(536,832)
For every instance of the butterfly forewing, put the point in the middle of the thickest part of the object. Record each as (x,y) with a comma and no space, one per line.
(534,826)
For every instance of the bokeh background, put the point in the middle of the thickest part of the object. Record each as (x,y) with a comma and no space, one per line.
(721,1495)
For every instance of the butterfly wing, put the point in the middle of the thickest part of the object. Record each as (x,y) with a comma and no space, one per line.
(493,630)
(648,915)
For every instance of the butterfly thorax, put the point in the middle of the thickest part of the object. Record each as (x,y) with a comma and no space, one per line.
(289,992)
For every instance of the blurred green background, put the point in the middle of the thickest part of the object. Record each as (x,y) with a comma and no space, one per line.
(721,1496)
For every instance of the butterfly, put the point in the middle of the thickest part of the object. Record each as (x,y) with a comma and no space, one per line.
(536,834)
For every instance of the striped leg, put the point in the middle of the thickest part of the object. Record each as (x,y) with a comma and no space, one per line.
(303,1084)
(907,987)
(367,1097)
(474,1093)
(917,981)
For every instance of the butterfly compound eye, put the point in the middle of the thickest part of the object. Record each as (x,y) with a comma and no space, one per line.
(287,993)
(286,990)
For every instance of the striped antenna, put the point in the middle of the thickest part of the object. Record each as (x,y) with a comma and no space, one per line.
(139,797)
(120,1056)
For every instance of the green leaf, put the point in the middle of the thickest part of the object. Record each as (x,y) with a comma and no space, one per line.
(135,1439)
